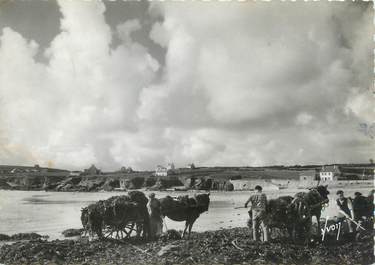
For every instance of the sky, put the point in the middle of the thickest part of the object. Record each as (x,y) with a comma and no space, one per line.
(137,83)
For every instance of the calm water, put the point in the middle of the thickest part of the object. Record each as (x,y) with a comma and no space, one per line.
(49,213)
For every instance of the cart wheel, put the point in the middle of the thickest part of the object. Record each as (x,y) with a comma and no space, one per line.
(128,229)
(108,233)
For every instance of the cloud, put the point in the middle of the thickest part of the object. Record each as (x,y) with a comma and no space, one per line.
(242,84)
(126,28)
(65,110)
(159,34)
(281,73)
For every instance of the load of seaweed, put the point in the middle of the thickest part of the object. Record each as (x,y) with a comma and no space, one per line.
(118,214)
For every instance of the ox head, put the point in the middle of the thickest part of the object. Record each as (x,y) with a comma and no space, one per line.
(321,194)
(203,200)
(323,191)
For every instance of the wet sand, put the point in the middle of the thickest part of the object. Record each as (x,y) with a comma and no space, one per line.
(49,213)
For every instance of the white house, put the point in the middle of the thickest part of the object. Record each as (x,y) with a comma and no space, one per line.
(330,173)
(161,171)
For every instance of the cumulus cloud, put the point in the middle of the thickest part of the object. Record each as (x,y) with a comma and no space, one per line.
(65,111)
(243,84)
(292,76)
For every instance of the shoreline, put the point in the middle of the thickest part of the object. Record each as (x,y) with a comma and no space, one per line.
(362,184)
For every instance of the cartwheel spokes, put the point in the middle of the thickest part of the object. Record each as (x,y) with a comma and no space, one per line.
(122,231)
(129,229)
(108,233)
(117,235)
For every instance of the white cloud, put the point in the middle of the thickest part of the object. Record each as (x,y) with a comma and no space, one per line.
(243,84)
(264,69)
(159,34)
(304,118)
(62,111)
(125,29)
(362,105)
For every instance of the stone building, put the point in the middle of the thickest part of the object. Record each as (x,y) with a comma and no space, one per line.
(330,173)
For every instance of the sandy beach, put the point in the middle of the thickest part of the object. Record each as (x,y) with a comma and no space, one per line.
(49,213)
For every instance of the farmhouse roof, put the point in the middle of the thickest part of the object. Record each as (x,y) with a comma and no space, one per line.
(331,168)
(161,168)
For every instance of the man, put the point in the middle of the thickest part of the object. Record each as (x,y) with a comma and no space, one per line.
(156,220)
(258,203)
(371,195)
(345,208)
(361,207)
(370,199)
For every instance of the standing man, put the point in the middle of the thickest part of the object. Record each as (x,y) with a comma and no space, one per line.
(361,207)
(345,208)
(370,199)
(156,220)
(258,203)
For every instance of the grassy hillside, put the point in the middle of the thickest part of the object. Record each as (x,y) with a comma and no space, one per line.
(234,173)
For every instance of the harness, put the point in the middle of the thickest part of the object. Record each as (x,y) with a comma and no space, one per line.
(302,199)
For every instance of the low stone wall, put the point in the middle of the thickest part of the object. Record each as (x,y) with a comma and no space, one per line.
(244,184)
(336,183)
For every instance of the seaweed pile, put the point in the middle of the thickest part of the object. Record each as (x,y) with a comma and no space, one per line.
(114,213)
(228,246)
(22,236)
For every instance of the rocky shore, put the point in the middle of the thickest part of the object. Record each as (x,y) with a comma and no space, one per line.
(88,183)
(227,246)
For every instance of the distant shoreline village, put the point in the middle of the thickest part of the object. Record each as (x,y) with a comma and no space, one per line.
(187,178)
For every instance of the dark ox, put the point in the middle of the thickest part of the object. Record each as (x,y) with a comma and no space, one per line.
(187,211)
(304,206)
(277,212)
